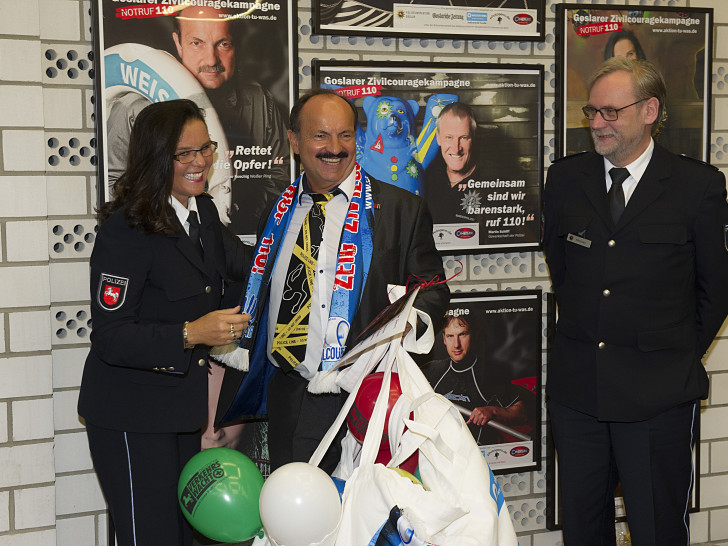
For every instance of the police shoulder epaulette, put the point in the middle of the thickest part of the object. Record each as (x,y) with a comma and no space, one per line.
(577,154)
(701,162)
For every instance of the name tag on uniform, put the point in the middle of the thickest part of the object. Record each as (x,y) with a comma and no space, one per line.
(578,240)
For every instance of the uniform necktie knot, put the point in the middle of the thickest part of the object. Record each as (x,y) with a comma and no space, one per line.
(615,195)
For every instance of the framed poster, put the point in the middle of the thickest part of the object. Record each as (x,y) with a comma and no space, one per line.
(467,137)
(553,492)
(487,361)
(237,63)
(677,40)
(521,20)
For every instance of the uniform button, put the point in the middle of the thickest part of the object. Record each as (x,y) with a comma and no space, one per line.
(162,369)
(611,243)
(602,345)
(606,292)
(170,369)
(208,289)
(155,369)
(201,362)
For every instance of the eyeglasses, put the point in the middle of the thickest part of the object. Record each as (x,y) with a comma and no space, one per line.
(608,114)
(188,156)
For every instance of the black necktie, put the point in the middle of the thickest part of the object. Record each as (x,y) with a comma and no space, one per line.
(291,335)
(615,195)
(195,232)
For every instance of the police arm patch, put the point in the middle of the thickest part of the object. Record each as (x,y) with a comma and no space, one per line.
(112,291)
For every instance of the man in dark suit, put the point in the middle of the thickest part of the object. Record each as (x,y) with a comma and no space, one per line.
(331,247)
(639,266)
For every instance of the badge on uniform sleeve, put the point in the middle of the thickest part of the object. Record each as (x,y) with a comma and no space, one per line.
(112,291)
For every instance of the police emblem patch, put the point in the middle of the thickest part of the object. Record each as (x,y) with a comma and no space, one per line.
(112,291)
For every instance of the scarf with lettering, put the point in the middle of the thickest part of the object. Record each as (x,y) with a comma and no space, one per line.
(352,267)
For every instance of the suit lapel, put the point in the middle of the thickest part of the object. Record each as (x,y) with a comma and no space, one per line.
(650,186)
(187,249)
(593,184)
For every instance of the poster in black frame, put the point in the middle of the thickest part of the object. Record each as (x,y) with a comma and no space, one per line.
(521,20)
(496,206)
(488,356)
(243,75)
(677,40)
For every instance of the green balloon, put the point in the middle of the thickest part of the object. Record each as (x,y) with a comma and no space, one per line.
(218,491)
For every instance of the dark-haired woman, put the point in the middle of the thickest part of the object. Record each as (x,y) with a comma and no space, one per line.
(158,272)
(624,44)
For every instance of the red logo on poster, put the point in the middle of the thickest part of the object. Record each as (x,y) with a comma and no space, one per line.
(520,451)
(523,19)
(465,233)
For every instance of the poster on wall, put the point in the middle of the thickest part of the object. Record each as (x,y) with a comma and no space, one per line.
(467,137)
(677,40)
(487,361)
(521,20)
(236,62)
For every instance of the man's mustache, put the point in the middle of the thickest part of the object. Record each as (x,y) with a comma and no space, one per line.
(343,154)
(218,68)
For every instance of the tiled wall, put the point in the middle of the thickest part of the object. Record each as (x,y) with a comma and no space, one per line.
(48,492)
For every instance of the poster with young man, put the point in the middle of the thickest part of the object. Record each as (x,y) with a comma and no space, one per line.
(487,361)
(466,137)
(234,59)
(678,41)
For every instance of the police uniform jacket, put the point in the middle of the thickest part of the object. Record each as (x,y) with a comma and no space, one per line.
(639,302)
(138,376)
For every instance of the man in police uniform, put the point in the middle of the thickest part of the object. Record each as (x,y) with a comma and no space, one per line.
(639,267)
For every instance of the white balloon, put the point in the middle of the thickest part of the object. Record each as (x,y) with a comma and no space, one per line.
(299,505)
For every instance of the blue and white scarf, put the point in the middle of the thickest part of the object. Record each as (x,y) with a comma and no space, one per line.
(352,267)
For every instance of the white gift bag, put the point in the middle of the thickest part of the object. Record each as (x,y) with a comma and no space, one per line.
(461,504)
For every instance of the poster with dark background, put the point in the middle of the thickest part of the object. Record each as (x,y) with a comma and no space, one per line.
(489,354)
(674,39)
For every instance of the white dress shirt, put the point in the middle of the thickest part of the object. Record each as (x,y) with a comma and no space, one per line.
(323,284)
(636,169)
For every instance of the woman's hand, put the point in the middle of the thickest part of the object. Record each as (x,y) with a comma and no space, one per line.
(217,327)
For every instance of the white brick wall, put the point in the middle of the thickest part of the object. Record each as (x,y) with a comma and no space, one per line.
(26,464)
(4,511)
(48,491)
(32,419)
(19,105)
(26,376)
(27,241)
(29,331)
(24,196)
(21,60)
(35,507)
(25,286)
(20,22)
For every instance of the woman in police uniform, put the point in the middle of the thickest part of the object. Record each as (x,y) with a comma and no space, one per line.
(155,296)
